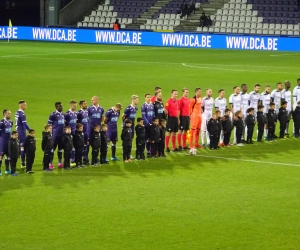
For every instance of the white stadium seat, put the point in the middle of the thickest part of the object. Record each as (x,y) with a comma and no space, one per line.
(79,24)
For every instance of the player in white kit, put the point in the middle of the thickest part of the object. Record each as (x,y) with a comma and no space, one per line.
(207,107)
(296,94)
(244,105)
(265,98)
(220,104)
(235,102)
(286,95)
(276,96)
(254,98)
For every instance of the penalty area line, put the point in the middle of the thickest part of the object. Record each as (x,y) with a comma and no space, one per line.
(245,160)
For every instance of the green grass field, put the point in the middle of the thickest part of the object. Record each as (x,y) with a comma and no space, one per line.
(233,198)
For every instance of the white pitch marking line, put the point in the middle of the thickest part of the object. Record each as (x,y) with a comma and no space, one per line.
(239,70)
(245,160)
(77,52)
(153,62)
(290,54)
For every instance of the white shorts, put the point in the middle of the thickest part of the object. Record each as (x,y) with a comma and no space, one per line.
(266,108)
(205,120)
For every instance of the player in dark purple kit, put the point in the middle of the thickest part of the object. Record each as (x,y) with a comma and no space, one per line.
(95,115)
(5,135)
(130,112)
(21,127)
(111,119)
(71,121)
(148,115)
(57,120)
(82,118)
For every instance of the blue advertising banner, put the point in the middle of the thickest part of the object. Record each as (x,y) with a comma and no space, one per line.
(188,40)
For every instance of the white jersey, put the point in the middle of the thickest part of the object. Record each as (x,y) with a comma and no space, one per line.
(244,102)
(207,105)
(236,102)
(287,96)
(265,101)
(296,95)
(220,104)
(276,95)
(254,98)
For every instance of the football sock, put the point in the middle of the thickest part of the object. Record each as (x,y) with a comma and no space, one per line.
(174,141)
(197,132)
(23,156)
(192,138)
(73,155)
(207,137)
(7,164)
(179,139)
(184,140)
(113,150)
(167,140)
(59,155)
(202,137)
(85,152)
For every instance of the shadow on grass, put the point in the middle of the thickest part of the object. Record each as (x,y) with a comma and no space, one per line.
(278,151)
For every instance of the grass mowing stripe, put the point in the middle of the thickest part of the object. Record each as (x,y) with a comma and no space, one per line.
(78,52)
(245,160)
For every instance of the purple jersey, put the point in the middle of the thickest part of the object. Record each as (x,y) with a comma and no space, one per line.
(5,130)
(57,120)
(82,117)
(112,119)
(147,113)
(21,123)
(95,115)
(130,113)
(71,120)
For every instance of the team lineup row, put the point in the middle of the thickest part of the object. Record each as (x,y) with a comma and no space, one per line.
(183,115)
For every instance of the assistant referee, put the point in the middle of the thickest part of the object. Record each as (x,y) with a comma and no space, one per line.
(172,110)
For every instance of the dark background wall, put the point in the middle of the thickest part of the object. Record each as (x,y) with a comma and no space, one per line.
(21,12)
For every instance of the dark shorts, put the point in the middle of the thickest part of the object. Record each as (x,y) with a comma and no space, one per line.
(112,135)
(57,142)
(148,132)
(22,139)
(184,123)
(172,124)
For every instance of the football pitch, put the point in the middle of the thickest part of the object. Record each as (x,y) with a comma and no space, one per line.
(232,198)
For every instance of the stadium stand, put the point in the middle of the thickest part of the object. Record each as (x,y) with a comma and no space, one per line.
(266,17)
